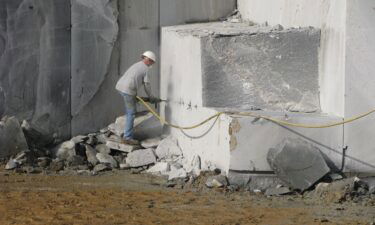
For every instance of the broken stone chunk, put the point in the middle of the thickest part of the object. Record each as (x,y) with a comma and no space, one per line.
(177,174)
(91,155)
(12,139)
(160,167)
(276,191)
(101,168)
(75,160)
(64,150)
(104,158)
(121,147)
(57,165)
(44,161)
(168,148)
(297,163)
(79,139)
(102,148)
(141,157)
(217,181)
(151,143)
(12,164)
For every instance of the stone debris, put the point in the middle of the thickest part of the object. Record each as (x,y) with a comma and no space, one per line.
(142,157)
(217,181)
(105,158)
(79,139)
(168,148)
(117,145)
(177,174)
(91,155)
(75,160)
(103,148)
(298,163)
(64,150)
(12,139)
(277,191)
(44,162)
(151,143)
(12,164)
(101,167)
(160,168)
(57,165)
(370,182)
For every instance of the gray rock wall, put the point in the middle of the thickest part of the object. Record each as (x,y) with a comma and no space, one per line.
(63,79)
(35,62)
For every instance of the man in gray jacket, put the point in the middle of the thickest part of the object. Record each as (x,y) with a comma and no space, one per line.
(128,85)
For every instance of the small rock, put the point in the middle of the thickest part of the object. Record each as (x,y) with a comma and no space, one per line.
(102,148)
(141,157)
(217,181)
(104,158)
(101,167)
(124,166)
(151,143)
(91,155)
(12,164)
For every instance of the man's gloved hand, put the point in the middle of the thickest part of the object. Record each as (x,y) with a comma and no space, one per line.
(154,100)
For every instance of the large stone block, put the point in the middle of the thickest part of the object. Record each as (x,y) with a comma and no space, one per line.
(35,63)
(250,66)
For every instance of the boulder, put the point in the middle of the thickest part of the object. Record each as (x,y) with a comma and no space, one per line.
(177,174)
(160,167)
(297,163)
(64,150)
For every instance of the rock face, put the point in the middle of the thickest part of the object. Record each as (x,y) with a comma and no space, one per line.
(35,63)
(298,163)
(12,139)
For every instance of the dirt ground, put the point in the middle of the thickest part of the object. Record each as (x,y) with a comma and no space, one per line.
(123,198)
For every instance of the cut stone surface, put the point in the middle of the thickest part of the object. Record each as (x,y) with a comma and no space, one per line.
(142,157)
(168,148)
(298,163)
(104,158)
(121,147)
(91,155)
(12,139)
(151,143)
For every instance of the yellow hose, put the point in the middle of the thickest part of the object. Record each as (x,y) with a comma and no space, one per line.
(281,122)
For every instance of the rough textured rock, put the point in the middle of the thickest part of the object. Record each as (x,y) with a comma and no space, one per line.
(12,139)
(177,173)
(151,143)
(11,164)
(91,155)
(217,181)
(101,167)
(102,148)
(160,167)
(298,163)
(36,138)
(57,165)
(64,150)
(168,148)
(35,63)
(94,30)
(121,147)
(104,158)
(141,157)
(75,160)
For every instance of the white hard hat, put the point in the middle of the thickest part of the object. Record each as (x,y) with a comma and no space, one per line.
(150,55)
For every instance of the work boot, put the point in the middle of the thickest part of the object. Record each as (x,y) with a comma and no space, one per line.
(130,141)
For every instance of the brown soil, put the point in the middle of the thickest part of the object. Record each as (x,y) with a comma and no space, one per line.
(124,198)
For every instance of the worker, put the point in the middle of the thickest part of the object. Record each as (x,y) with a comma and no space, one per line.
(128,85)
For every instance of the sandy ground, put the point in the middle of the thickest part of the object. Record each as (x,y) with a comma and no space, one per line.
(124,198)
